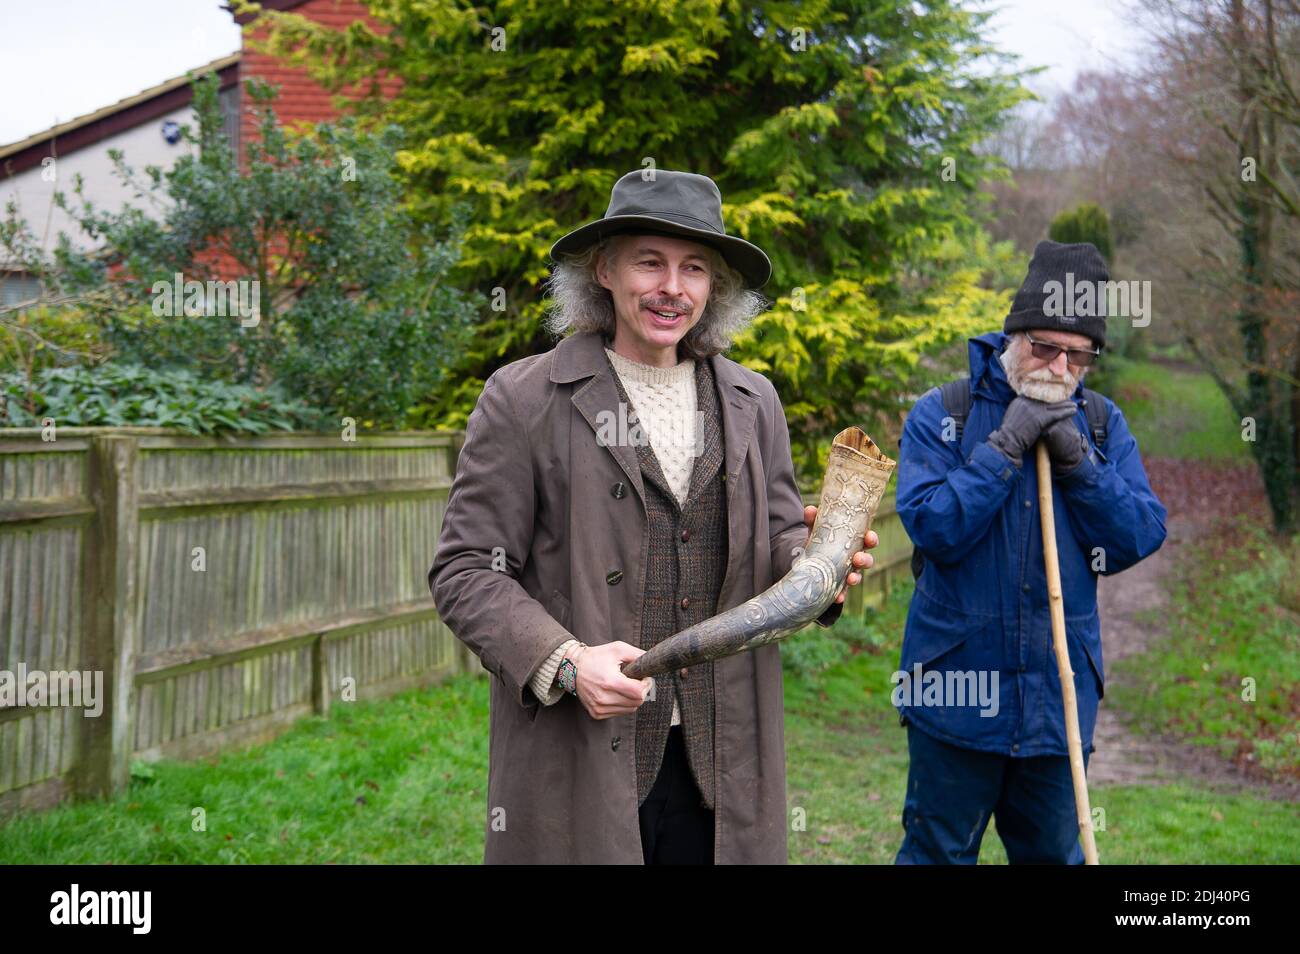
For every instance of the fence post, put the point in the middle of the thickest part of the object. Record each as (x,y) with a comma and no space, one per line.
(320,677)
(855,601)
(110,637)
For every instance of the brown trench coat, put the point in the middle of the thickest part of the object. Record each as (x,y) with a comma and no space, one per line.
(533,480)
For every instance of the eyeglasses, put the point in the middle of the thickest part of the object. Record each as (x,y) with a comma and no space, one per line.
(1046,351)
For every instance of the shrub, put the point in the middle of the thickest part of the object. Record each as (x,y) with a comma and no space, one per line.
(1084,223)
(122,394)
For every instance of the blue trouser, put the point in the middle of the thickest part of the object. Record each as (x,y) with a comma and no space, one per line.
(952,791)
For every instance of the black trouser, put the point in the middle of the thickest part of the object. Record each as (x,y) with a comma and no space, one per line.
(676,828)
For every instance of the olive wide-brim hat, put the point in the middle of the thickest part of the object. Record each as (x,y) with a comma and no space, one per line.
(679,204)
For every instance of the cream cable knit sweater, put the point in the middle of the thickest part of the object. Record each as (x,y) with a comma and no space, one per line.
(665,403)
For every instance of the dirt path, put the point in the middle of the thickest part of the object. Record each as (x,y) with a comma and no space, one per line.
(1123,756)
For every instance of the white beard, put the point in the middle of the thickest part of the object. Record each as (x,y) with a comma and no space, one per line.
(1049,390)
(1040,385)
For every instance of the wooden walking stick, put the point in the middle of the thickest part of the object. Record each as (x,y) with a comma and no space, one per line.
(1056,602)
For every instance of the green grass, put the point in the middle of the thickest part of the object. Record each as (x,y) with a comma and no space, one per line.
(397,781)
(846,754)
(1233,617)
(404,781)
(1173,412)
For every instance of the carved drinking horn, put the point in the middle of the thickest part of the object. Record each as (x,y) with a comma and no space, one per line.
(855,480)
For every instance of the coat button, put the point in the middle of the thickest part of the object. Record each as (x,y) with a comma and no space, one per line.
(686,601)
(613,743)
(1016,747)
(686,535)
(618,490)
(683,673)
(614,577)
(1028,504)
(1025,587)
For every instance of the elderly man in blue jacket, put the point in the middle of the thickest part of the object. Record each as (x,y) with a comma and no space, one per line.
(978,687)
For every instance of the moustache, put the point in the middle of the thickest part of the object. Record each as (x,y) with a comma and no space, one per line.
(1042,374)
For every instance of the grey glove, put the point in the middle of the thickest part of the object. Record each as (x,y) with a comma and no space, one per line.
(1024,422)
(1066,445)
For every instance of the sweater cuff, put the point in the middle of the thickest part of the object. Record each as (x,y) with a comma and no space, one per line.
(543,683)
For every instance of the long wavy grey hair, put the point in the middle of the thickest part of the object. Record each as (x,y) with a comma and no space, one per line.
(579,303)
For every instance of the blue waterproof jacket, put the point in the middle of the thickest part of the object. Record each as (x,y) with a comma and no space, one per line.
(980,604)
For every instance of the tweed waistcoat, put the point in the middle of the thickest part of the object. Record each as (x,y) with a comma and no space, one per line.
(685,566)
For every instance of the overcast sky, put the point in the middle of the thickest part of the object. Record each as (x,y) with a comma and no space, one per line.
(60,59)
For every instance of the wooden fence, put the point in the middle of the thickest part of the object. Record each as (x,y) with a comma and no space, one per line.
(224,587)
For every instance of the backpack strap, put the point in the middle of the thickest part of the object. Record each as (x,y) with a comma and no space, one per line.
(1094,407)
(956,399)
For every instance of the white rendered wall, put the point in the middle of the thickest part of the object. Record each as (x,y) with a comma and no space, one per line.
(142,146)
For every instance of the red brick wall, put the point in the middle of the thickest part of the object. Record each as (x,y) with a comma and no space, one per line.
(301,99)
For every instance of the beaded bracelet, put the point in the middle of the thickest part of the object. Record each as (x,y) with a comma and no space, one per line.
(567,676)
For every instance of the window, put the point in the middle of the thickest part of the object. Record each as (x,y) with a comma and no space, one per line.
(18,287)
(229,99)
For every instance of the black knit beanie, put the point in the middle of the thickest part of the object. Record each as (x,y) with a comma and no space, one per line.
(1042,304)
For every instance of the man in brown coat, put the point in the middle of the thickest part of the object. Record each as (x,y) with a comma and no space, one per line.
(617,489)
